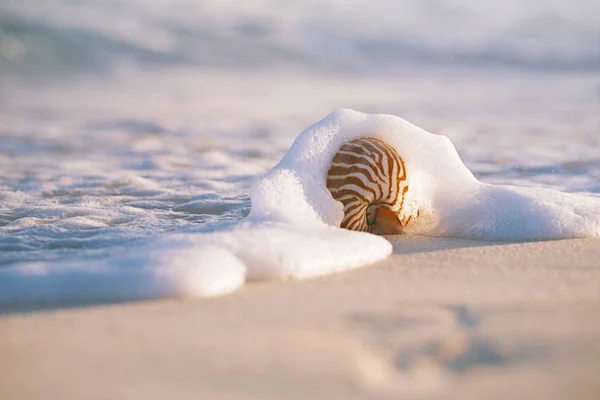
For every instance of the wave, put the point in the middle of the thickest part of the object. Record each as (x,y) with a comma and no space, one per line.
(292,230)
(97,38)
(36,49)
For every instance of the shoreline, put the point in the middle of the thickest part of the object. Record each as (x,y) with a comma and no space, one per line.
(449,318)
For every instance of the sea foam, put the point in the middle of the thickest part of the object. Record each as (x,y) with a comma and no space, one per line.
(293,231)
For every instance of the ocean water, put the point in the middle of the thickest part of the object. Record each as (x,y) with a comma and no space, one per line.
(130,132)
(62,37)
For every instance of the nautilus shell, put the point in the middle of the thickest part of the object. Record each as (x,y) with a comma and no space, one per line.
(368,176)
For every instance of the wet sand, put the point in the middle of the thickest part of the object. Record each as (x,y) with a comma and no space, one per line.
(441,318)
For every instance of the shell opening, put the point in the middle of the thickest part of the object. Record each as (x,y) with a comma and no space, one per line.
(383,221)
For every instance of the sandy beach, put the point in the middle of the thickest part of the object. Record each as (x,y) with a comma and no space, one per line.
(442,318)
(173,175)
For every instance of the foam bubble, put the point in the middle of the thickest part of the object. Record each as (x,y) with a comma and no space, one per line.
(199,270)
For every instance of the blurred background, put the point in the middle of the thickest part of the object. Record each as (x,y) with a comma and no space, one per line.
(123,119)
(61,38)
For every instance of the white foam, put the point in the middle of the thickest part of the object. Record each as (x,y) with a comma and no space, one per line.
(166,269)
(196,264)
(292,229)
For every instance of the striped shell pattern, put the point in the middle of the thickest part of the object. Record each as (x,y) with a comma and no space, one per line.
(368,177)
